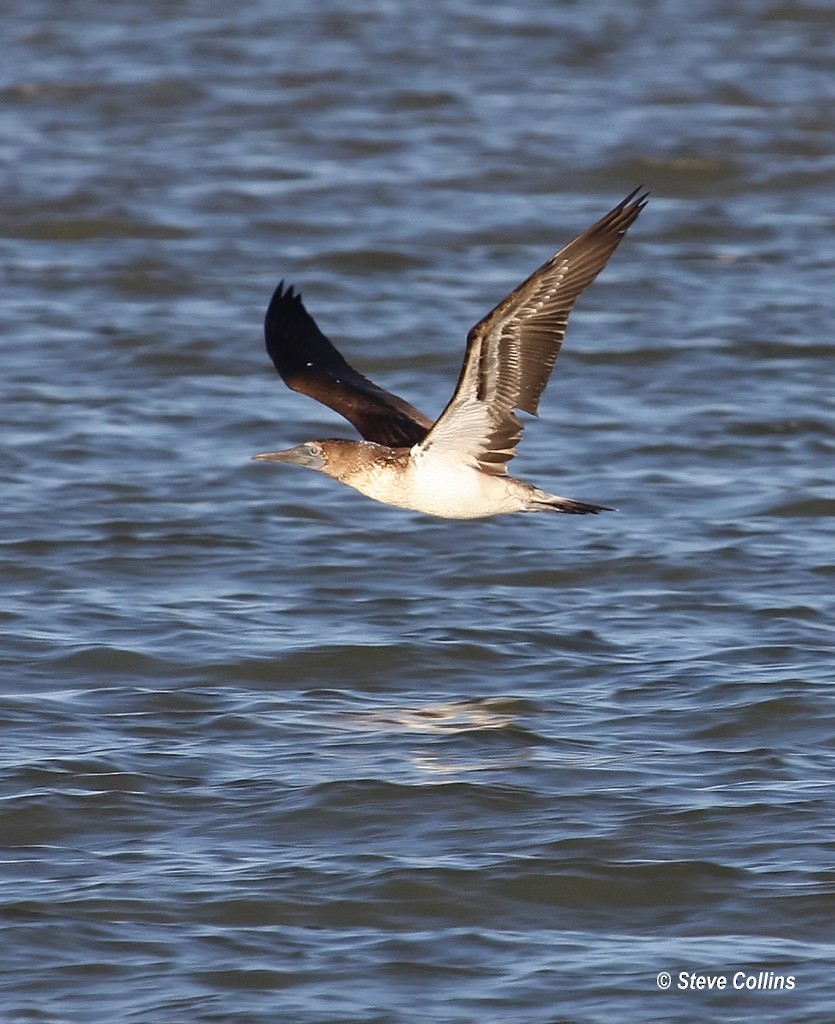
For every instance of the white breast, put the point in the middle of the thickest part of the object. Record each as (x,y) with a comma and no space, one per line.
(438,486)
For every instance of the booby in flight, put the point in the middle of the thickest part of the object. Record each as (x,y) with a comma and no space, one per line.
(456,467)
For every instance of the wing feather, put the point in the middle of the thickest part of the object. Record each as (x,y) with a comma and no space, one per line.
(511,352)
(308,362)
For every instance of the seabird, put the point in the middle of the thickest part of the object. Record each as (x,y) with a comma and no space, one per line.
(456,467)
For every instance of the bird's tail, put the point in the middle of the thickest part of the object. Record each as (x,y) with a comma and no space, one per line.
(540,501)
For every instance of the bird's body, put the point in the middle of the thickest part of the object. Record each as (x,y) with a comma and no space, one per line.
(437,486)
(456,467)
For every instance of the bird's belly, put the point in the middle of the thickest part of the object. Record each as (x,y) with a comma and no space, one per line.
(438,488)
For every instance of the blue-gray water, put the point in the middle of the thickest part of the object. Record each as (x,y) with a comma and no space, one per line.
(274,753)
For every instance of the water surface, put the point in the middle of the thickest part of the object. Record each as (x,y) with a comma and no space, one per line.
(274,752)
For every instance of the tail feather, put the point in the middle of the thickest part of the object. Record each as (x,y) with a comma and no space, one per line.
(553,503)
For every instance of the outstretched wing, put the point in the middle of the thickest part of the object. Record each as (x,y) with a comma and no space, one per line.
(308,362)
(511,352)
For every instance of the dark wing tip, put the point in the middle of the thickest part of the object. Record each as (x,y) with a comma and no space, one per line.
(600,240)
(309,363)
(636,197)
(629,208)
(294,342)
(624,215)
(285,312)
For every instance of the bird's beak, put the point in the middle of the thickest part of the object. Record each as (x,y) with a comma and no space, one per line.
(301,455)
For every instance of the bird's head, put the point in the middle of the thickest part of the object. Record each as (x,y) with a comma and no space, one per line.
(310,455)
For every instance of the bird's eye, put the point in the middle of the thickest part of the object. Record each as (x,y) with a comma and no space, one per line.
(314,449)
